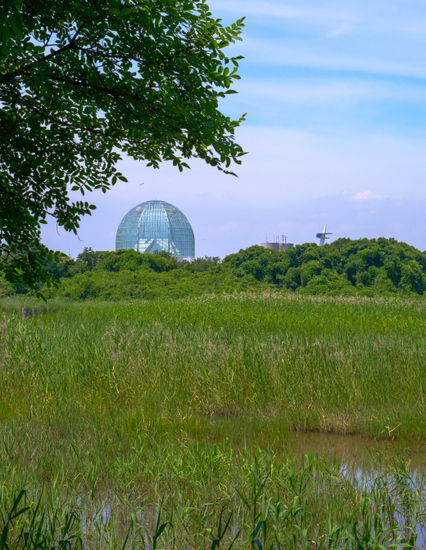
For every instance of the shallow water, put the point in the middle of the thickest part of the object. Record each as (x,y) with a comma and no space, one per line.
(357,456)
(361,457)
(356,453)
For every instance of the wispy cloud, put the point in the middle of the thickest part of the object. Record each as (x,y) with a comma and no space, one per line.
(314,91)
(307,12)
(365,196)
(338,31)
(381,37)
(380,16)
(279,51)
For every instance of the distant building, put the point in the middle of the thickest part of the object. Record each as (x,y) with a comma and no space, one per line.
(154,226)
(277,245)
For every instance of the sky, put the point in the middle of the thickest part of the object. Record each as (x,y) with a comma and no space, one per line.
(335,96)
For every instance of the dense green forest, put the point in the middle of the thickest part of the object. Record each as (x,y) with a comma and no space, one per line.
(365,267)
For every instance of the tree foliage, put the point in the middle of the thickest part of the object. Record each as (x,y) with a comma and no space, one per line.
(83,82)
(363,267)
(357,268)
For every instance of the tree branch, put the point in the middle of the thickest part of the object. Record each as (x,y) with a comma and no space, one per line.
(10,76)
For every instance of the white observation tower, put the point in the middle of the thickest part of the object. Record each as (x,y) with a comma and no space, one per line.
(323,236)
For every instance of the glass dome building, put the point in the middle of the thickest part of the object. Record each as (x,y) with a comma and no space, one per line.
(154,226)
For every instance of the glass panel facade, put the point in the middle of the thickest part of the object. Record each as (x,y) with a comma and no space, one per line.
(154,226)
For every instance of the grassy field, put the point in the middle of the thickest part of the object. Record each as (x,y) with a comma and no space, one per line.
(123,409)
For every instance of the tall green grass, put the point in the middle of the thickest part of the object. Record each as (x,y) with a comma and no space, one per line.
(173,416)
(346,366)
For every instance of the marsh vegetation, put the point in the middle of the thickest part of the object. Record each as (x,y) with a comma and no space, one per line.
(130,416)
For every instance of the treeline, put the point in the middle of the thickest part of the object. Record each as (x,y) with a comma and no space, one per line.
(363,267)
(358,267)
(130,274)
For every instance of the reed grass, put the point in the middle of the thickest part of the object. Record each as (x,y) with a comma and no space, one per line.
(214,499)
(166,422)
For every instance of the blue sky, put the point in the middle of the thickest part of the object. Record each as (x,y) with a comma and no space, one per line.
(335,96)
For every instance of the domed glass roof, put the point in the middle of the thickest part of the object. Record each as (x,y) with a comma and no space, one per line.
(154,226)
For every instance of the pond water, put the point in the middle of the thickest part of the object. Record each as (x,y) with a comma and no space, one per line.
(357,454)
(358,457)
(362,458)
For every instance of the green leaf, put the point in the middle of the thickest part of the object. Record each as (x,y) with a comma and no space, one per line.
(71,115)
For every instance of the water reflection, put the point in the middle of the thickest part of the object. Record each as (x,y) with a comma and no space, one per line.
(357,454)
(393,474)
(364,459)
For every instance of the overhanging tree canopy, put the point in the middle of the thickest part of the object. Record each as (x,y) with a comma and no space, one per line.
(83,81)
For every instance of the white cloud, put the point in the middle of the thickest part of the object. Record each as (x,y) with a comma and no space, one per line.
(366,196)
